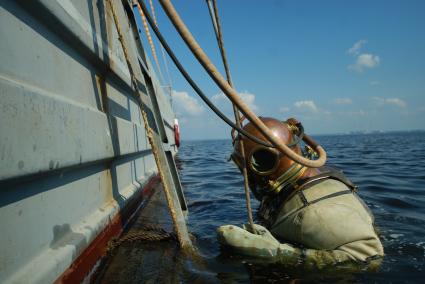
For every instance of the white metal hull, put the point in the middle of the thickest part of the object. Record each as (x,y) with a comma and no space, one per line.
(73,149)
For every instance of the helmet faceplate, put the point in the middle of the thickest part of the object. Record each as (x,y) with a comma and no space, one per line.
(265,165)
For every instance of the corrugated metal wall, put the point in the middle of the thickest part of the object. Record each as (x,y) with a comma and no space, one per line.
(73,148)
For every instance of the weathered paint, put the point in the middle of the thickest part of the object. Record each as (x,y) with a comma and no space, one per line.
(73,149)
(83,265)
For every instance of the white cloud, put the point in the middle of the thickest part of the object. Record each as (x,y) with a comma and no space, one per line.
(364,61)
(355,49)
(246,96)
(396,101)
(218,97)
(306,106)
(390,101)
(249,99)
(343,101)
(185,104)
(374,83)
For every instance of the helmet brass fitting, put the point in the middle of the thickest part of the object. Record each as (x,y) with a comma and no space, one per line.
(268,170)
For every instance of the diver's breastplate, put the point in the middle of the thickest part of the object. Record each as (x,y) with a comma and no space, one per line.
(271,205)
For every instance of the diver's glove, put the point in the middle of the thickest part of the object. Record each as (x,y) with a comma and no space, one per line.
(261,244)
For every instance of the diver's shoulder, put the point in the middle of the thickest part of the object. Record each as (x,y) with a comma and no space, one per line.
(333,224)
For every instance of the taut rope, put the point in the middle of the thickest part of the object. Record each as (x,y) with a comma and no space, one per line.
(232,94)
(194,85)
(217,28)
(149,37)
(182,235)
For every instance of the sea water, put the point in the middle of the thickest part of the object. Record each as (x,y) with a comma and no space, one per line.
(388,168)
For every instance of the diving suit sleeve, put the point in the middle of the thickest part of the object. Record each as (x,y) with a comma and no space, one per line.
(324,258)
(262,244)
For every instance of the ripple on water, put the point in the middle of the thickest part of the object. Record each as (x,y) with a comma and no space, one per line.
(391,179)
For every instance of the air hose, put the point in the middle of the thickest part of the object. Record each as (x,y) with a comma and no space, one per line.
(233,97)
(232,94)
(199,91)
(212,8)
(194,85)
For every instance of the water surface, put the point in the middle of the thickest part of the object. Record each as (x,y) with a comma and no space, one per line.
(388,168)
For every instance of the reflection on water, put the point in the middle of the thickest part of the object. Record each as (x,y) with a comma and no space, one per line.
(388,168)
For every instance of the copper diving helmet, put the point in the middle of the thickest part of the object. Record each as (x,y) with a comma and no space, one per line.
(269,171)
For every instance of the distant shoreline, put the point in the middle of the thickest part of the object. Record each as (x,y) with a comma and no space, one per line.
(374,132)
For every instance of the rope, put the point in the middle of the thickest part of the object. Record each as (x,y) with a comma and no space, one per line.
(199,91)
(153,12)
(217,28)
(195,86)
(149,37)
(232,94)
(146,233)
(184,242)
(164,58)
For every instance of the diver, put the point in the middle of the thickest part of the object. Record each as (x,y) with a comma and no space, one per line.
(312,215)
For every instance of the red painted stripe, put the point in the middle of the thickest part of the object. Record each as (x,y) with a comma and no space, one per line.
(84,263)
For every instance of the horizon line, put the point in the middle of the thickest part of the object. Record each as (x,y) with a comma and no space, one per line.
(355,132)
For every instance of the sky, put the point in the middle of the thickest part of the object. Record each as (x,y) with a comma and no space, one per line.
(336,66)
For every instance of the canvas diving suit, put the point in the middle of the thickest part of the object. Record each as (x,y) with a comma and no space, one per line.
(312,215)
(323,222)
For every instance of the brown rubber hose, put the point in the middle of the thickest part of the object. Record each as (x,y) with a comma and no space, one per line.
(232,94)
